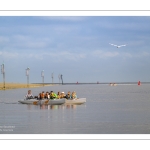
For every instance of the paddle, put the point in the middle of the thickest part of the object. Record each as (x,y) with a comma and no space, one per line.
(36,102)
(46,102)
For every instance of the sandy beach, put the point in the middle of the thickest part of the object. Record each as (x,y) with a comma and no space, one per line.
(20,85)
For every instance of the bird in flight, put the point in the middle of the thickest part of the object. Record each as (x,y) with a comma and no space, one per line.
(118,46)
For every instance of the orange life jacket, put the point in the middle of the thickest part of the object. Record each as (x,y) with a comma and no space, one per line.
(42,95)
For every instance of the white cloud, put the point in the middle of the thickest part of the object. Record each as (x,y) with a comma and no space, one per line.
(23,42)
(145,53)
(105,54)
(19,37)
(53,56)
(9,54)
(128,55)
(36,44)
(3,39)
(73,56)
(65,55)
(108,54)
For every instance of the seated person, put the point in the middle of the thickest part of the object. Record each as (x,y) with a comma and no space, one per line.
(53,95)
(62,95)
(41,95)
(68,96)
(47,95)
(58,95)
(29,95)
(73,95)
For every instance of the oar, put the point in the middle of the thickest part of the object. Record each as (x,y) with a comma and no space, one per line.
(46,102)
(35,102)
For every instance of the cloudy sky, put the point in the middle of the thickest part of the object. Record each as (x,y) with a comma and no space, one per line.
(76,47)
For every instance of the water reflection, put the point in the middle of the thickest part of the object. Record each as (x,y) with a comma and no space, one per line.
(71,106)
(57,107)
(54,107)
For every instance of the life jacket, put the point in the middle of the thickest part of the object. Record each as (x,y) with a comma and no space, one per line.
(46,95)
(73,96)
(29,96)
(42,95)
(68,96)
(53,96)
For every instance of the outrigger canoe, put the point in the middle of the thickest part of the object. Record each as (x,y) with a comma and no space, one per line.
(43,101)
(75,101)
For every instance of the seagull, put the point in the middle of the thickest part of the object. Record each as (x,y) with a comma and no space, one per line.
(118,46)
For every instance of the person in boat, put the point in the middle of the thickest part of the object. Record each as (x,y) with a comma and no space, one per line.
(73,95)
(58,95)
(29,95)
(39,97)
(47,95)
(53,95)
(68,96)
(62,95)
(42,95)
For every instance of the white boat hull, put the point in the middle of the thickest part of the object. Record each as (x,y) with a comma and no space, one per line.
(43,102)
(75,101)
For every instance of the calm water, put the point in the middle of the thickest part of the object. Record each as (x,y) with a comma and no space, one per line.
(122,109)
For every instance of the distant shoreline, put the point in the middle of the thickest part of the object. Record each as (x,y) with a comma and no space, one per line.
(33,85)
(20,85)
(107,83)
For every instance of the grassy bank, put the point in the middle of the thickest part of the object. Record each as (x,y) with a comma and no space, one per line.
(19,85)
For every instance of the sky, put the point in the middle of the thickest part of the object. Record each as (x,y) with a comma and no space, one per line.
(76,47)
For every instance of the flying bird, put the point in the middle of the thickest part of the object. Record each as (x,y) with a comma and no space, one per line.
(118,46)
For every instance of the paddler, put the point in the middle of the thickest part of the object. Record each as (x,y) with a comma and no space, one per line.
(53,95)
(42,95)
(68,96)
(63,95)
(29,95)
(73,95)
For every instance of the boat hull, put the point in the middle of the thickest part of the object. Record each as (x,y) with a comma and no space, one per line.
(43,102)
(75,101)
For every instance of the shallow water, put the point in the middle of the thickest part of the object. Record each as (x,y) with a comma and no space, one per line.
(121,109)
